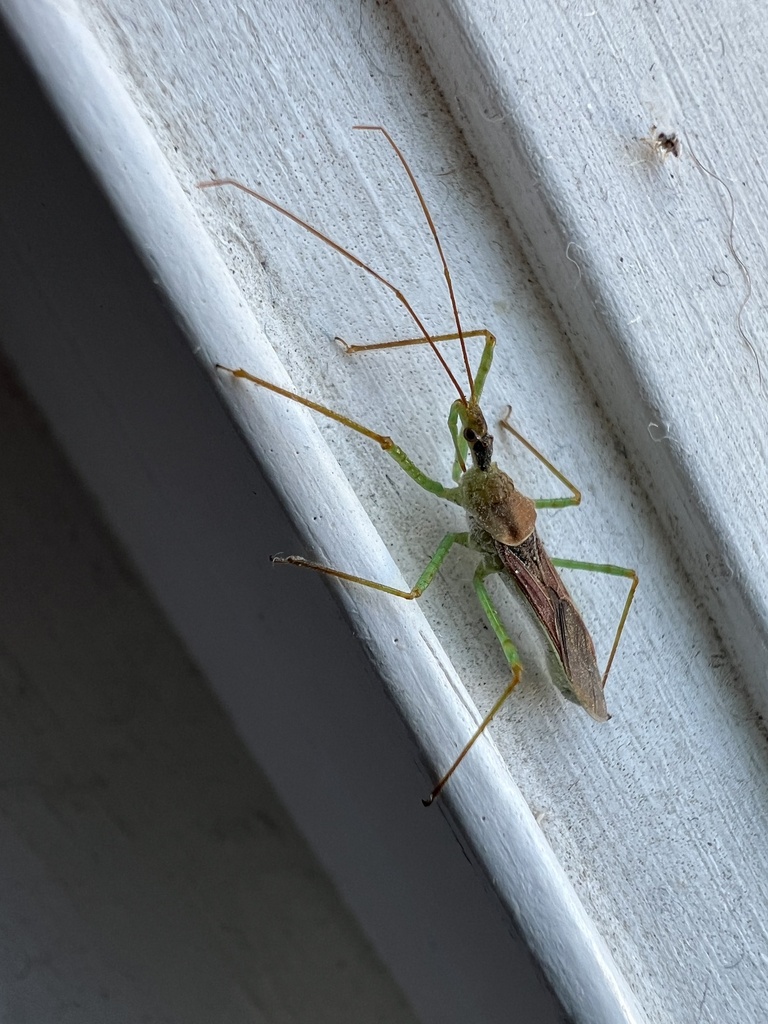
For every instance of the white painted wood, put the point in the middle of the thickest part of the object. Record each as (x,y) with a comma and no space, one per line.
(644,865)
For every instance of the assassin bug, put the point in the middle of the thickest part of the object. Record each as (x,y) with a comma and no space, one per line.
(502,520)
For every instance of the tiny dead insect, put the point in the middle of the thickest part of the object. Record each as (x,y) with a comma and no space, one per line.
(501,520)
(665,143)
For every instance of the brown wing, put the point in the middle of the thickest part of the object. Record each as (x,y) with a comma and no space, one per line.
(539,582)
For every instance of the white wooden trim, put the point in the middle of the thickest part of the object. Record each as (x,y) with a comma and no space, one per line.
(647,836)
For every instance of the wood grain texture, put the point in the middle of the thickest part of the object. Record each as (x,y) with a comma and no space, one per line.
(639,878)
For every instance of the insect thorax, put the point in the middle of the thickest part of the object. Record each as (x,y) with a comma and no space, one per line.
(495,506)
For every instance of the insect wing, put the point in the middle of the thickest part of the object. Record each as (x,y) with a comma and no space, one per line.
(540,583)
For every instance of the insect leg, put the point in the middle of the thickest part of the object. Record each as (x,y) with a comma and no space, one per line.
(484,366)
(608,570)
(386,443)
(454,417)
(483,369)
(432,569)
(406,342)
(487,568)
(575,498)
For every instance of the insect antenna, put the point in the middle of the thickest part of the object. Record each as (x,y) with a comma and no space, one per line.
(436,237)
(234,183)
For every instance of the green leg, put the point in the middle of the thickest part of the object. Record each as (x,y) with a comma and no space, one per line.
(432,569)
(406,342)
(455,421)
(386,443)
(487,568)
(573,500)
(607,570)
(476,382)
(483,369)
(482,572)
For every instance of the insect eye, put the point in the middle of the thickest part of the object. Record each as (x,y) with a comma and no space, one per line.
(469,434)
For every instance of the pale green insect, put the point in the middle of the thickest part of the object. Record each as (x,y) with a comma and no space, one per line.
(501,520)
